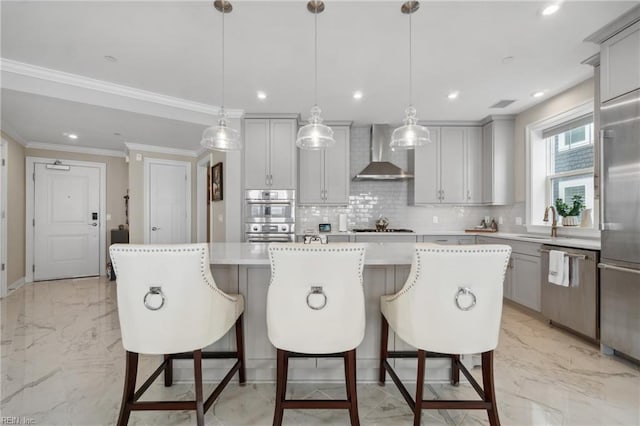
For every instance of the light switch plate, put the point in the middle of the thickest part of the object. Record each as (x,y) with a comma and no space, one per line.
(435,219)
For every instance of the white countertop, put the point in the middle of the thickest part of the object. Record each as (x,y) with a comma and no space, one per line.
(257,253)
(377,253)
(583,243)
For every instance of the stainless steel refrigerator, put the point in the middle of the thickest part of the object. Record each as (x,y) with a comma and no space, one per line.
(620,254)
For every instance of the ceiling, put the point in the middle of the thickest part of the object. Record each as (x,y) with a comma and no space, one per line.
(165,85)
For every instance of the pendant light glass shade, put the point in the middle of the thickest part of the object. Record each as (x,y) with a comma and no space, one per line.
(221,137)
(411,135)
(315,135)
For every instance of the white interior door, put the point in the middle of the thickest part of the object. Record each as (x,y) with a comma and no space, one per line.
(169,201)
(3,218)
(66,223)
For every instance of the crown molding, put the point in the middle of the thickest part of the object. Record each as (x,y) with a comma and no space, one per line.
(494,117)
(593,60)
(160,149)
(33,76)
(75,149)
(612,28)
(10,132)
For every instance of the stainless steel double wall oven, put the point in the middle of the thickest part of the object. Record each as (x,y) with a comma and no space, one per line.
(270,215)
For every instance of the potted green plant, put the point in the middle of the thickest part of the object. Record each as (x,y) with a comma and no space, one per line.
(570,213)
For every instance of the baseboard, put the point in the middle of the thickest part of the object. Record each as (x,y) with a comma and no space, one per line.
(16,284)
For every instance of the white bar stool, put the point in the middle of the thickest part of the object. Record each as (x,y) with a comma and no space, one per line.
(315,306)
(168,303)
(451,304)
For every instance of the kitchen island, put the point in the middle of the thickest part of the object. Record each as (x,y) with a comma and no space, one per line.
(244,268)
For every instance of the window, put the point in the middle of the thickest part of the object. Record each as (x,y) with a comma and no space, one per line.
(570,165)
(560,160)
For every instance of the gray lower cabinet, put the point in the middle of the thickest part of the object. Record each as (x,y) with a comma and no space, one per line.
(323,175)
(522,282)
(525,284)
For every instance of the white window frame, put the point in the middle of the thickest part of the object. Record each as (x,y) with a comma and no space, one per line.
(538,180)
(563,146)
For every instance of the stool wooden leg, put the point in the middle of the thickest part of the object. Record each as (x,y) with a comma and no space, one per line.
(350,379)
(489,387)
(455,370)
(417,410)
(168,371)
(281,385)
(240,350)
(197,369)
(131,371)
(384,351)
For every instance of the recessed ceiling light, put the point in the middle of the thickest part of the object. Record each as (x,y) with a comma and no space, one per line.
(357,94)
(550,9)
(110,58)
(71,135)
(261,95)
(537,94)
(453,95)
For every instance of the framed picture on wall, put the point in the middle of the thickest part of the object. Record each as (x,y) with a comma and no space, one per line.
(216,182)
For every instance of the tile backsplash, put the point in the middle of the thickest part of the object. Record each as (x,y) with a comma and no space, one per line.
(369,200)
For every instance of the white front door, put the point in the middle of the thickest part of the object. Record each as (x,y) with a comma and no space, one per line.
(66,223)
(169,201)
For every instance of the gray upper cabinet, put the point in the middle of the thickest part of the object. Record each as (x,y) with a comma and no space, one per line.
(324,174)
(474,170)
(620,63)
(427,170)
(497,160)
(449,170)
(270,153)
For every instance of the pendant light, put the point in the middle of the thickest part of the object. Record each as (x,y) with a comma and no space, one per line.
(411,135)
(315,135)
(222,137)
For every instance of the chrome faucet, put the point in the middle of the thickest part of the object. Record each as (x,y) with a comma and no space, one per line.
(554,223)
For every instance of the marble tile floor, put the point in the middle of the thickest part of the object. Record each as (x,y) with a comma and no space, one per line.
(62,363)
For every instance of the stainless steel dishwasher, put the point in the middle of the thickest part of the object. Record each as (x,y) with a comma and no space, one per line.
(576,307)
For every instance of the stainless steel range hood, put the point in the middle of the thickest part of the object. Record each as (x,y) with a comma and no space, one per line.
(380,168)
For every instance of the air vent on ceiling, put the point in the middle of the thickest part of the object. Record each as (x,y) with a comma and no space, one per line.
(503,103)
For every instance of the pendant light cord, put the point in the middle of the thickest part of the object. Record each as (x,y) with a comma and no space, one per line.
(410,64)
(223,13)
(315,77)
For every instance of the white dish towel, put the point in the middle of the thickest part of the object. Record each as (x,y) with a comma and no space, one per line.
(558,268)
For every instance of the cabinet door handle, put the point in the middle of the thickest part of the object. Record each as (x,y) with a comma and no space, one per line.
(468,195)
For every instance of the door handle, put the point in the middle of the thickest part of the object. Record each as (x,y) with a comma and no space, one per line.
(155,228)
(93,224)
(618,268)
